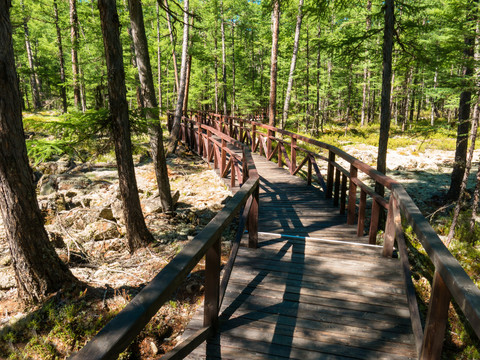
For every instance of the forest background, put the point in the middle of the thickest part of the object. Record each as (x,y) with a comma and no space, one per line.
(330,89)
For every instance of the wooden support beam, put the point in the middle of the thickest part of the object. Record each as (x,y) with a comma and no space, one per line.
(352,196)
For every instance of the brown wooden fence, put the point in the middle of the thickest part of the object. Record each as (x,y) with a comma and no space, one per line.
(342,184)
(121,330)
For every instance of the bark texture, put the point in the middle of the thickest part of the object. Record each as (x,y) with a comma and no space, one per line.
(463,126)
(137,232)
(386,91)
(38,270)
(150,102)
(272,105)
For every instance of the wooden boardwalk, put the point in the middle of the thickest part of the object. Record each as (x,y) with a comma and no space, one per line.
(312,290)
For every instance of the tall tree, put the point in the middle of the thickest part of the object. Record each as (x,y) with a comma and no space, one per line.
(172,42)
(159,61)
(150,102)
(34,81)
(38,270)
(293,62)
(181,90)
(63,90)
(75,65)
(137,232)
(463,126)
(272,105)
(224,60)
(386,90)
(366,70)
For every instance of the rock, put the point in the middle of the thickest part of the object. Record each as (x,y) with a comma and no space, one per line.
(117,211)
(7,279)
(152,205)
(5,260)
(106,213)
(100,230)
(47,185)
(68,182)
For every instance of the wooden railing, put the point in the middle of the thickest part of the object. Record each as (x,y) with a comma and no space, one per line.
(121,330)
(295,151)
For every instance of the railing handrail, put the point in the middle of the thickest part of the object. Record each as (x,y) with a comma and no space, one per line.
(451,280)
(128,323)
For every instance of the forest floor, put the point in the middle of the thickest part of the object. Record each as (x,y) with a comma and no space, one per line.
(84,219)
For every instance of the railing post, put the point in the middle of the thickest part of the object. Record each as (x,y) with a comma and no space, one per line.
(309,171)
(230,124)
(361,213)
(209,135)
(253,220)
(223,160)
(254,129)
(293,155)
(375,217)
(330,169)
(336,194)
(343,194)
(352,196)
(270,134)
(199,142)
(389,236)
(436,319)
(212,285)
(240,135)
(279,155)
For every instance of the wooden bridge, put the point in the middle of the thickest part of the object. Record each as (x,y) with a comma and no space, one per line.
(308,283)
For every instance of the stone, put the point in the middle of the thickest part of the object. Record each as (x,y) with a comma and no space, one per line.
(106,213)
(100,230)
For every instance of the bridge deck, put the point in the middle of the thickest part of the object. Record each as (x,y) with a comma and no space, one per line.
(312,290)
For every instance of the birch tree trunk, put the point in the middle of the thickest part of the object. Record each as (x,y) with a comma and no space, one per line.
(293,61)
(181,90)
(38,269)
(272,105)
(149,100)
(386,91)
(137,232)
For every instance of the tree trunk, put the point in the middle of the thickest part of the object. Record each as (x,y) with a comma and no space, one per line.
(63,90)
(432,99)
(187,84)
(224,60)
(175,134)
(137,233)
(74,39)
(216,67)
(386,90)
(150,102)
(317,72)
(293,62)
(38,269)
(468,166)
(172,41)
(233,69)
(476,202)
(463,125)
(272,105)
(366,71)
(159,62)
(34,82)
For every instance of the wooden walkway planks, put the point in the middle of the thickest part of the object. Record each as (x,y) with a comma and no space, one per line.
(313,289)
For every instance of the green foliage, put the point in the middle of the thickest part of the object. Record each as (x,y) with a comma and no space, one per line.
(72,134)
